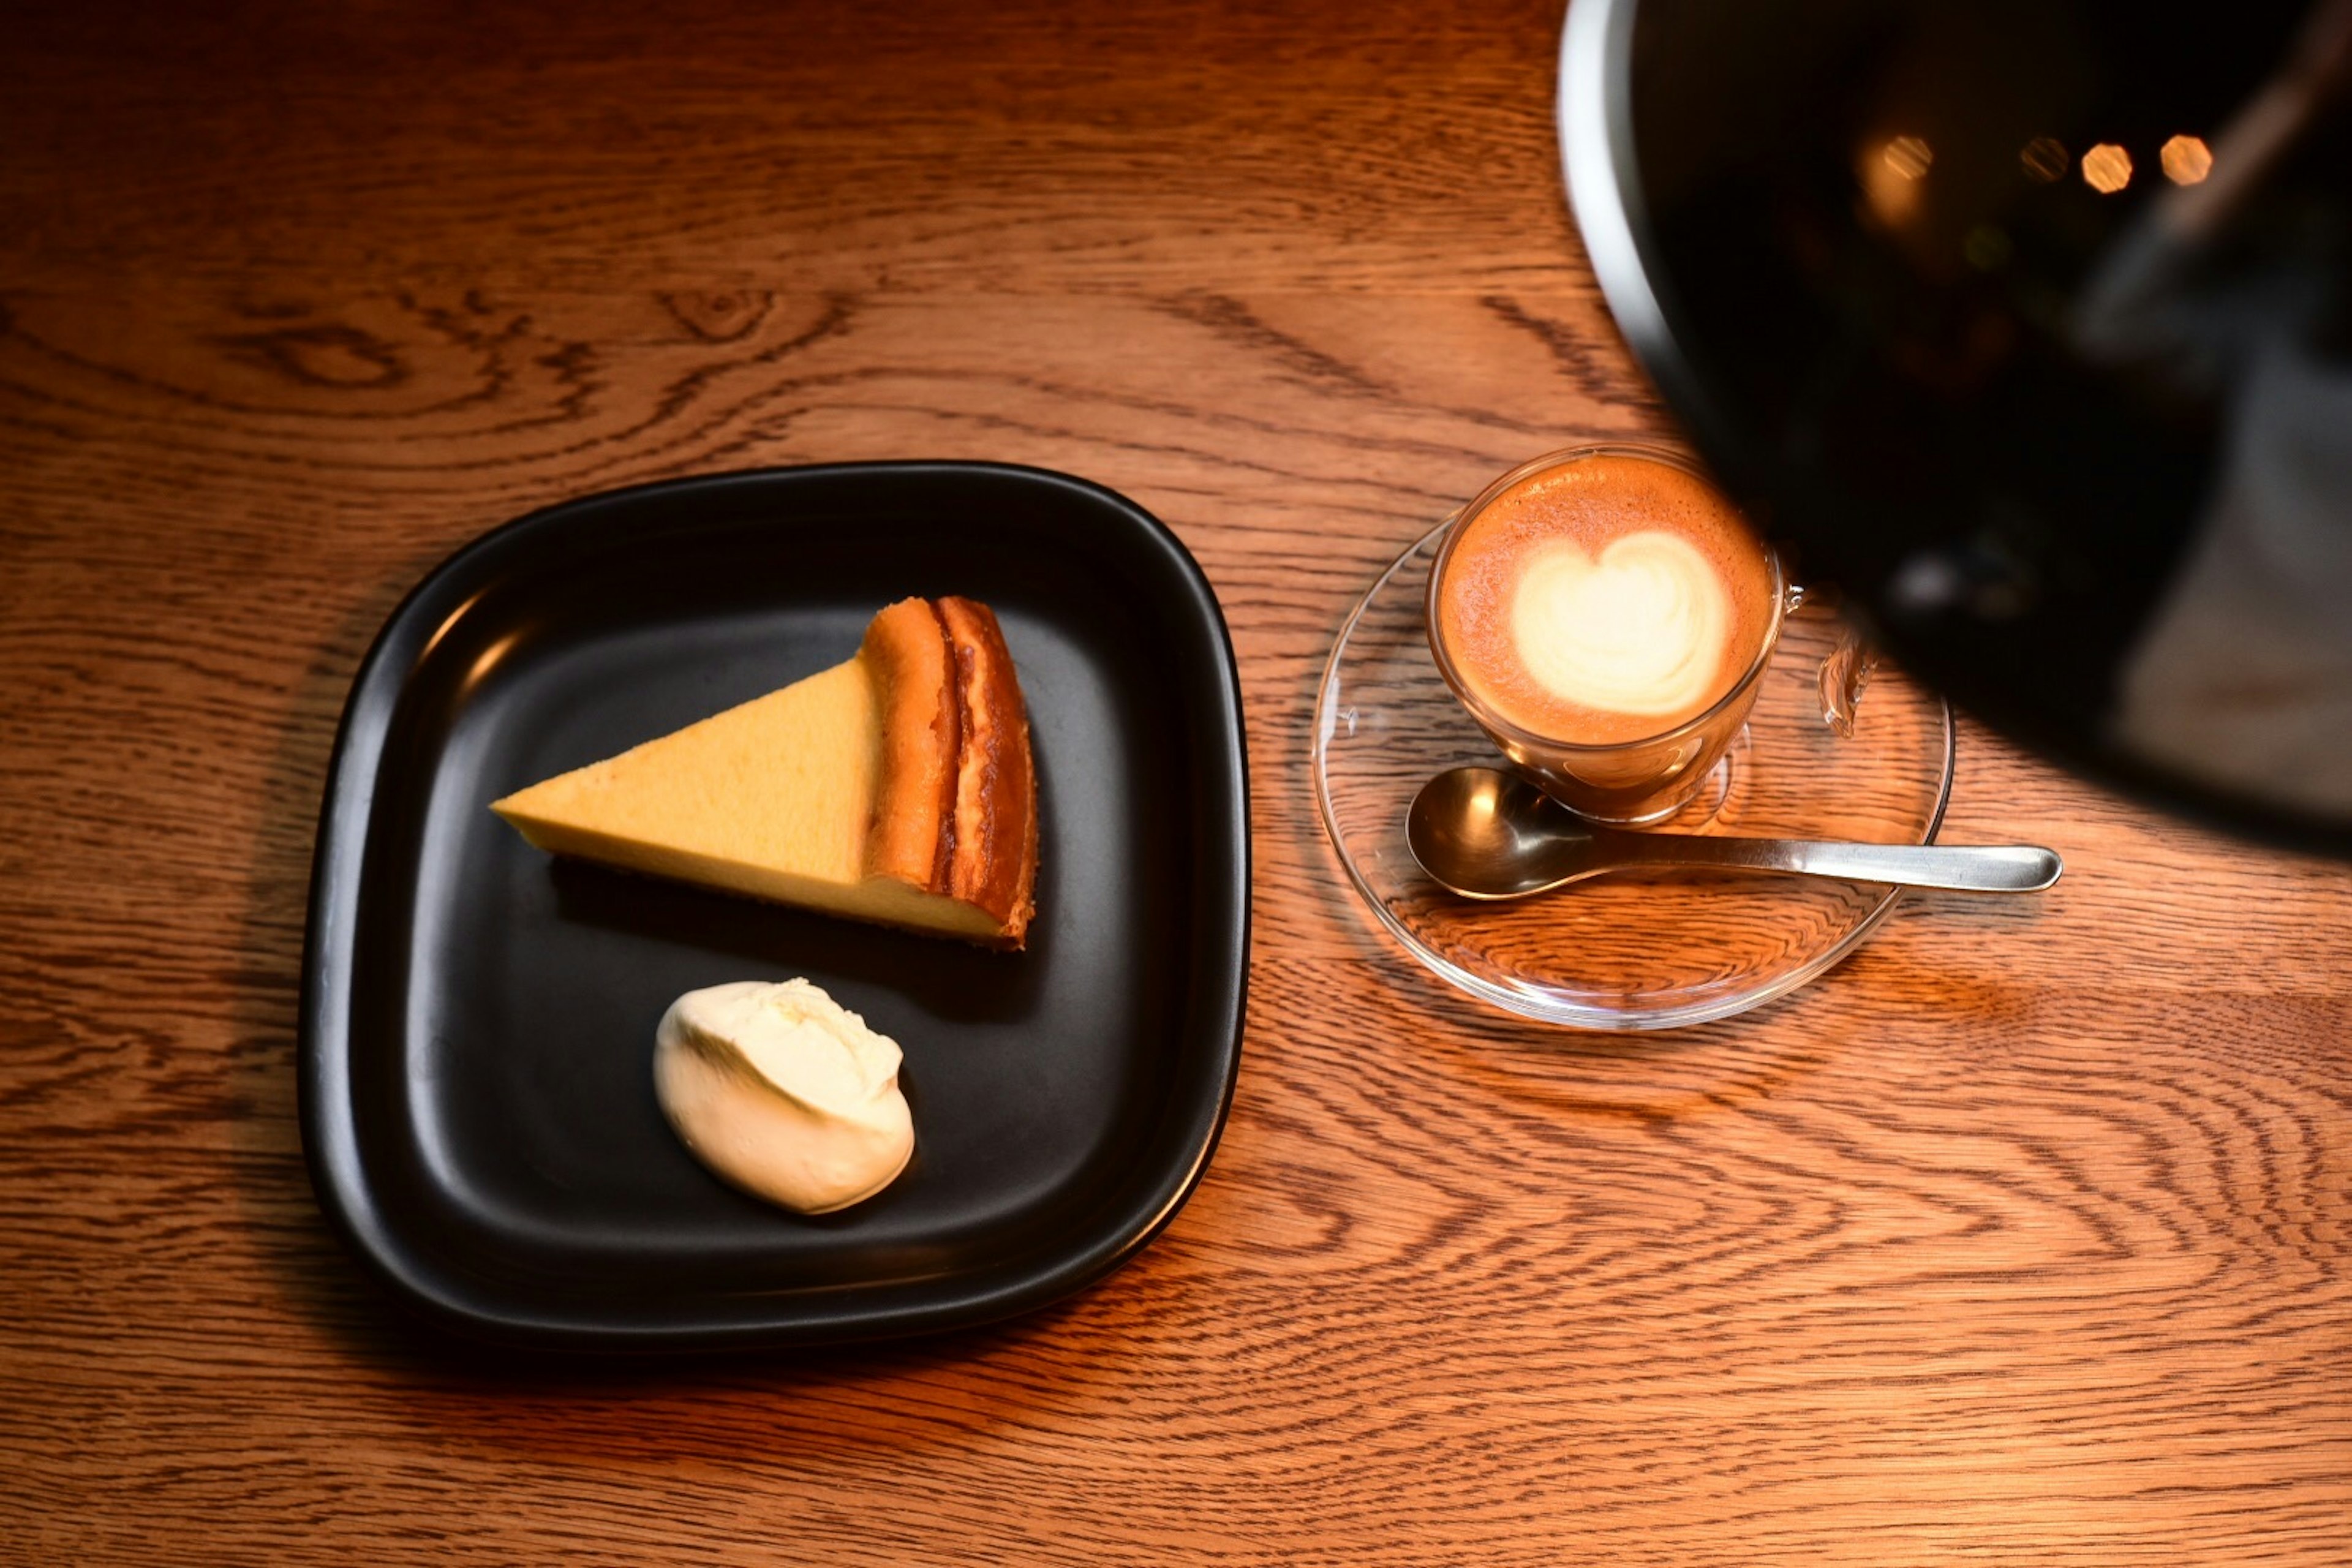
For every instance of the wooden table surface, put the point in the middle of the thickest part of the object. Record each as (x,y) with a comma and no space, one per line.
(2022,1236)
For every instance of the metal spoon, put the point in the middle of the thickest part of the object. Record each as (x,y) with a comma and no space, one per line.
(1486,834)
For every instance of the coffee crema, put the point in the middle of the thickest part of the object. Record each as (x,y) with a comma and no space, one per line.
(1605,600)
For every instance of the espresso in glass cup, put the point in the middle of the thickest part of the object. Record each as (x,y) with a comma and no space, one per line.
(1604,612)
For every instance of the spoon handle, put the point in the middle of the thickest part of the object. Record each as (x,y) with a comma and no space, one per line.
(1961,869)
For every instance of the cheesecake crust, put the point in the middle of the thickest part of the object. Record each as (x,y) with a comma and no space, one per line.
(993,864)
(955,810)
(906,654)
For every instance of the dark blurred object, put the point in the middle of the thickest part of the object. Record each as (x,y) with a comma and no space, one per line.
(2031,324)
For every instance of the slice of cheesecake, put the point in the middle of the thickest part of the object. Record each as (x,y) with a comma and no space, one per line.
(896,787)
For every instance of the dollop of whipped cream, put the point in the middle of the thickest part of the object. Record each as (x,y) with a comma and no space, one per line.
(1639,628)
(784,1092)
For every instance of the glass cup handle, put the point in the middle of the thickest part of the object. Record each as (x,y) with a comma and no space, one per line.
(1846,668)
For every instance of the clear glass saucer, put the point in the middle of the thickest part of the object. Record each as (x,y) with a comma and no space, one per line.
(1632,950)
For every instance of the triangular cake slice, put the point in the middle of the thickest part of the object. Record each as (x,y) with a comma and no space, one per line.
(896,787)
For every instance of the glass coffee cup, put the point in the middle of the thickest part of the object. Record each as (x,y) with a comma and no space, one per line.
(1608,766)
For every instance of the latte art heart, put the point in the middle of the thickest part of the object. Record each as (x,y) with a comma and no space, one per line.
(1641,629)
(1600,601)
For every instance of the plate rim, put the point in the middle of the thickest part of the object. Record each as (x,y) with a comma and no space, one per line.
(325,1119)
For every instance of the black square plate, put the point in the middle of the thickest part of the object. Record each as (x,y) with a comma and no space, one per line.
(478,1021)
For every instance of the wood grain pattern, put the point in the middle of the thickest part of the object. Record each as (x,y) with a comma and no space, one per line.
(2021,1238)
